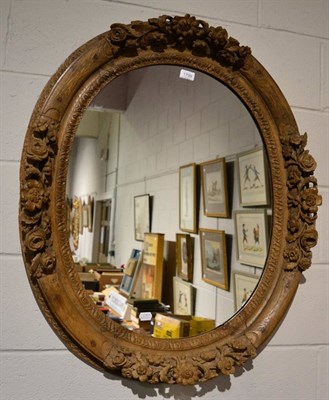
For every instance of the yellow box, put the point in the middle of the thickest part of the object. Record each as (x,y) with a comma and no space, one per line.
(168,326)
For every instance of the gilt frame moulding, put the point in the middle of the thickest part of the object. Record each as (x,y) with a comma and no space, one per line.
(91,336)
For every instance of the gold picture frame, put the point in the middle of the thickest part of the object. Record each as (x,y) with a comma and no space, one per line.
(214,188)
(187,198)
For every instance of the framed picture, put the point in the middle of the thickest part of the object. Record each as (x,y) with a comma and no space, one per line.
(251,237)
(214,188)
(84,215)
(90,213)
(130,272)
(183,297)
(142,216)
(184,256)
(149,274)
(253,178)
(214,258)
(187,198)
(244,285)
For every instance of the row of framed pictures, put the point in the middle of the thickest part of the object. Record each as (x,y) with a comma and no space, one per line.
(252,180)
(184,292)
(251,243)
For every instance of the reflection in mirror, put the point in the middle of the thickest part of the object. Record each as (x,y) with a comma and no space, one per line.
(133,140)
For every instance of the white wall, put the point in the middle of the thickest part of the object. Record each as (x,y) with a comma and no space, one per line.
(290,38)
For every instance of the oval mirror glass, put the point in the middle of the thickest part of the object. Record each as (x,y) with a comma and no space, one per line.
(133,143)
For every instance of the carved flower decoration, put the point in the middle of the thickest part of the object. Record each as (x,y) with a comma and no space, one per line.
(48,262)
(226,365)
(309,239)
(141,371)
(117,34)
(35,239)
(157,39)
(307,162)
(37,149)
(291,255)
(298,140)
(187,374)
(294,221)
(208,356)
(294,176)
(32,195)
(185,27)
(310,200)
(219,36)
(201,47)
(305,262)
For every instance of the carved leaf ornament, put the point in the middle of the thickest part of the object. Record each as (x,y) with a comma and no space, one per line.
(104,344)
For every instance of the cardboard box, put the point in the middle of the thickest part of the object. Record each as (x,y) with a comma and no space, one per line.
(170,326)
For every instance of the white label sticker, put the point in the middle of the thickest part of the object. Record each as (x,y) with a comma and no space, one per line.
(189,75)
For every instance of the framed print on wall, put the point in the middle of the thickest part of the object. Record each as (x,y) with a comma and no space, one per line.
(244,285)
(142,216)
(214,188)
(183,297)
(253,178)
(184,256)
(251,237)
(214,258)
(187,198)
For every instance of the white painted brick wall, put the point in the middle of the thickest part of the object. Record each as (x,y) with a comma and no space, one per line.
(290,38)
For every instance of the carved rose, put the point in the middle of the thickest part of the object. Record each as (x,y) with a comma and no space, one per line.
(307,162)
(32,195)
(185,26)
(117,34)
(226,365)
(47,261)
(305,263)
(35,240)
(141,371)
(293,175)
(291,255)
(310,200)
(158,39)
(219,36)
(37,149)
(309,239)
(187,374)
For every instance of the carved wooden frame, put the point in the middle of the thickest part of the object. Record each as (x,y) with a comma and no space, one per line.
(92,337)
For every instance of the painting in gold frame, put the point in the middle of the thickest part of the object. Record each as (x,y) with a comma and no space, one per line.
(187,198)
(214,258)
(214,188)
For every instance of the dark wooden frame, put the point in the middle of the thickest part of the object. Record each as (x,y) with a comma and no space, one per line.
(90,335)
(188,275)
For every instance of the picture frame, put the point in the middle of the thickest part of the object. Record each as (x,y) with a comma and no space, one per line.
(90,213)
(187,198)
(214,258)
(85,214)
(184,256)
(251,234)
(131,272)
(253,178)
(244,285)
(149,275)
(142,216)
(183,297)
(214,188)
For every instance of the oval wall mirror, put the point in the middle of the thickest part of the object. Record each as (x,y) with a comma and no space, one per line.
(258,125)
